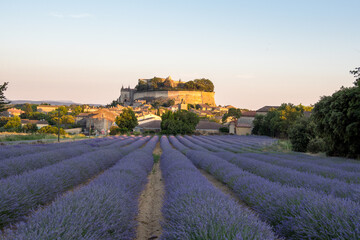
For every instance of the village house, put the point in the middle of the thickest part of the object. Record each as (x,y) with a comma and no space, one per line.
(264,110)
(204,107)
(99,121)
(149,116)
(90,109)
(244,124)
(11,112)
(39,123)
(15,112)
(148,125)
(206,127)
(46,108)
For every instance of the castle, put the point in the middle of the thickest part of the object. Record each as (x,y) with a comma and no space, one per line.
(147,90)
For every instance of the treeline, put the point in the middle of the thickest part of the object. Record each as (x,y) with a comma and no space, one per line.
(333,127)
(202,84)
(63,115)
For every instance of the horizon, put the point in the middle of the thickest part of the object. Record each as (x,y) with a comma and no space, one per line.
(256,53)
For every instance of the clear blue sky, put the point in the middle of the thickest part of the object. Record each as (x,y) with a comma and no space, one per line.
(256,52)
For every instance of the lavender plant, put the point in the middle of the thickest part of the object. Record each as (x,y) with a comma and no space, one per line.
(20,194)
(328,172)
(103,209)
(194,209)
(295,213)
(294,178)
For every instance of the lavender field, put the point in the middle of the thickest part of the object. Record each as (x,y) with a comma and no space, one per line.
(175,187)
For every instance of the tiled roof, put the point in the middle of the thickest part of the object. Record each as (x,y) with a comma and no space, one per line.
(248,114)
(155,124)
(266,108)
(26,121)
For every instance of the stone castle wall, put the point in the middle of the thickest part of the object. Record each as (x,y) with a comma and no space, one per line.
(192,97)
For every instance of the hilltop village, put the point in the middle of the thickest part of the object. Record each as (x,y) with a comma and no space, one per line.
(149,100)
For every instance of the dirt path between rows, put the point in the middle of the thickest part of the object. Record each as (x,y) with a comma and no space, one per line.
(150,203)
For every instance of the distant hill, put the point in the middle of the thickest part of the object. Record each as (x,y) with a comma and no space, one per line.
(61,102)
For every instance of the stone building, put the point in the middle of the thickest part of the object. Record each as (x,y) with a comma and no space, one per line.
(128,96)
(99,121)
(46,108)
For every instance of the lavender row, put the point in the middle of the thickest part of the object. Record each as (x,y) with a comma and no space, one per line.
(20,164)
(20,194)
(245,141)
(334,162)
(208,147)
(295,213)
(190,144)
(328,172)
(103,209)
(219,144)
(294,178)
(194,209)
(24,149)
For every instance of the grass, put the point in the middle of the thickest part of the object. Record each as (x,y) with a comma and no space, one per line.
(281,145)
(156,157)
(12,137)
(21,137)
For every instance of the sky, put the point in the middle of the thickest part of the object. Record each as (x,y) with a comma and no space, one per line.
(256,53)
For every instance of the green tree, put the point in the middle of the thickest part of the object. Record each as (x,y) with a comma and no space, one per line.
(235,113)
(28,108)
(3,121)
(114,130)
(3,101)
(29,128)
(127,120)
(300,134)
(204,84)
(356,73)
(277,122)
(51,130)
(180,122)
(14,123)
(141,86)
(337,119)
(76,110)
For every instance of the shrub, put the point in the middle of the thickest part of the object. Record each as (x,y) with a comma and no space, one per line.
(51,130)
(316,145)
(29,128)
(114,130)
(300,134)
(224,129)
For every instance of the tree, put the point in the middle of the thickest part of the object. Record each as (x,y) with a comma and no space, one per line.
(277,122)
(300,134)
(356,73)
(180,122)
(234,113)
(204,84)
(67,120)
(337,119)
(76,110)
(127,120)
(29,128)
(3,121)
(3,100)
(114,130)
(28,109)
(14,123)
(51,130)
